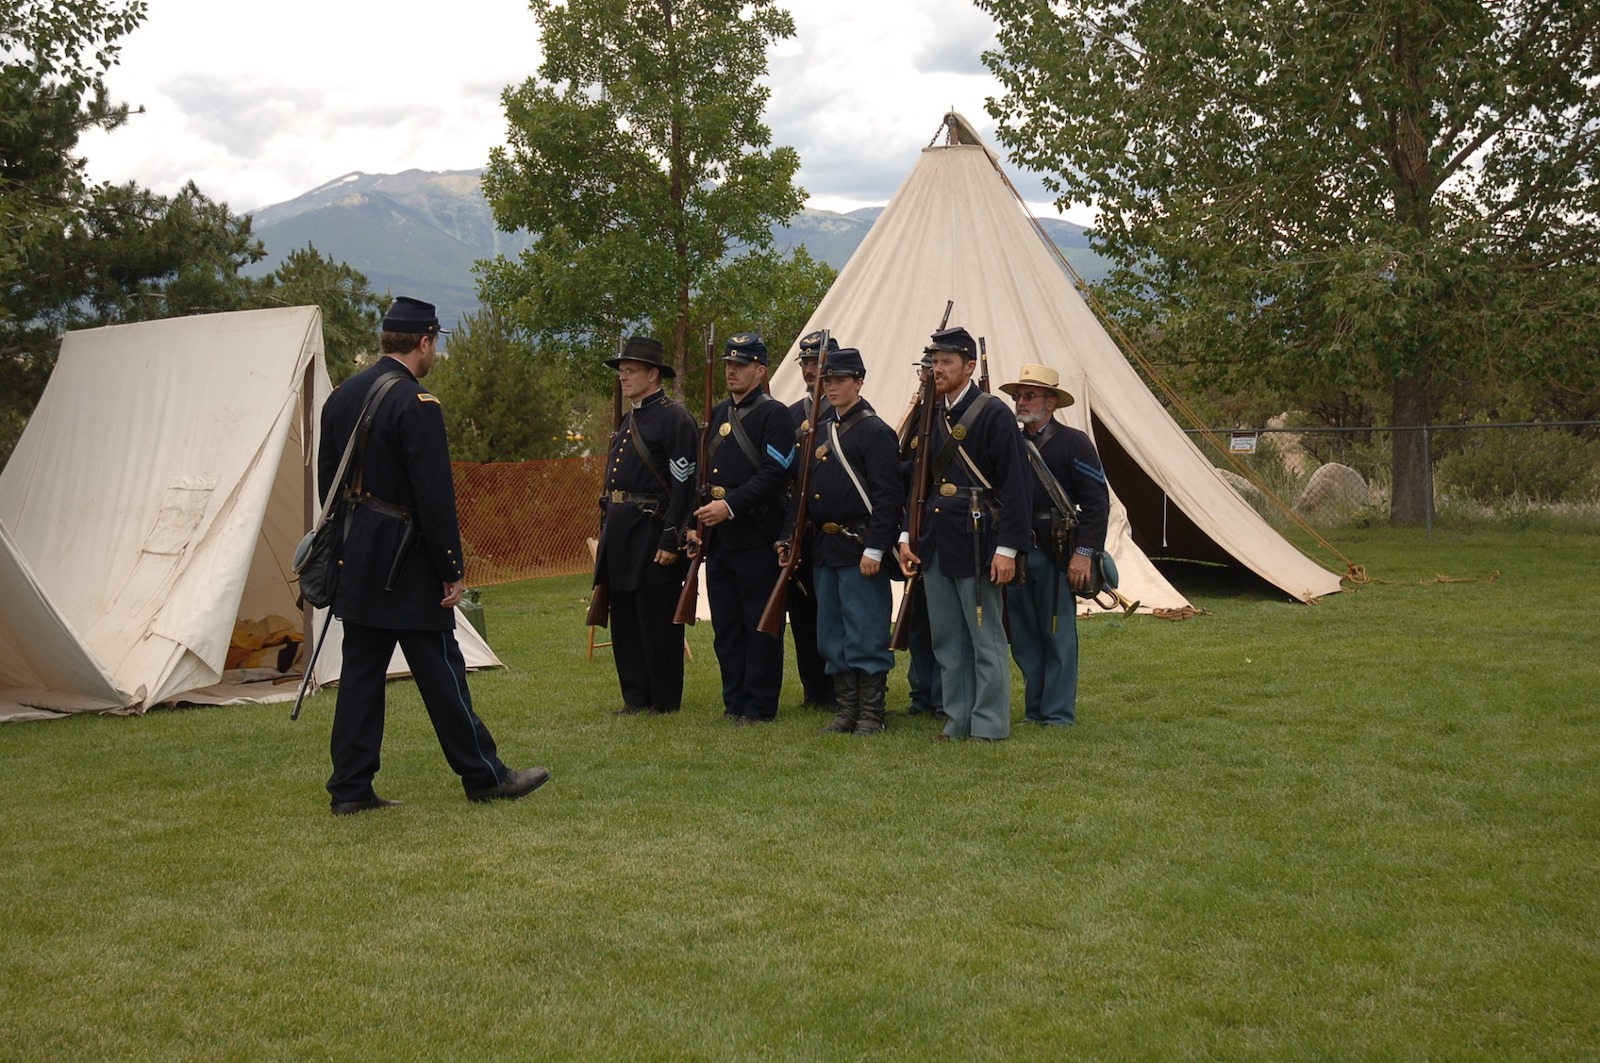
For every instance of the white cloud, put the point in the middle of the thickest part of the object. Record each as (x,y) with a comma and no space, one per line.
(257,113)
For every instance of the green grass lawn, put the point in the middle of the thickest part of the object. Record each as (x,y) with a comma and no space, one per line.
(1365,829)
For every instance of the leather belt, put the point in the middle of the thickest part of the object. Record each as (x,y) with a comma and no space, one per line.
(833,527)
(637,498)
(378,505)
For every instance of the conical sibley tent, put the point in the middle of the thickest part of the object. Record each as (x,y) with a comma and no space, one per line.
(956,230)
(153,502)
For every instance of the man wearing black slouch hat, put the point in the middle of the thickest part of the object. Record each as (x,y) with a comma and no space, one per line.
(650,482)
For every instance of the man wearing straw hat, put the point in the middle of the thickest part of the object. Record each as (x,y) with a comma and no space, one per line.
(1070,507)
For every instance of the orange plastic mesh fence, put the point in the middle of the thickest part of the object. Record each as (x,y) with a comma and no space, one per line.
(528,518)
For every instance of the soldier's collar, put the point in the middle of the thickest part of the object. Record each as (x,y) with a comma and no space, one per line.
(950,404)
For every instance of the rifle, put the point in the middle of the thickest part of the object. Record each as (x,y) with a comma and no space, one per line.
(983,364)
(689,597)
(599,614)
(921,475)
(771,622)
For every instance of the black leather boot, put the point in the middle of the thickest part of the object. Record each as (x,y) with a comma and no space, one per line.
(870,691)
(847,692)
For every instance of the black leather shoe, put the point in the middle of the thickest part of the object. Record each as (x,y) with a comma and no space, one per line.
(517,784)
(350,808)
(664,712)
(750,721)
(629,710)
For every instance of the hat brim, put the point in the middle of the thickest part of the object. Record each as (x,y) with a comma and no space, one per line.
(667,372)
(1063,398)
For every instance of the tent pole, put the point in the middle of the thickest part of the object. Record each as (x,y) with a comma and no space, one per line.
(308,465)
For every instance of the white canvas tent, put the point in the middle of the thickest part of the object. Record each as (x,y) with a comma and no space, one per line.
(155,499)
(956,230)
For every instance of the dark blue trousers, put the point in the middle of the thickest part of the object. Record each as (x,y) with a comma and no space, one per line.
(922,670)
(817,688)
(648,646)
(441,675)
(738,583)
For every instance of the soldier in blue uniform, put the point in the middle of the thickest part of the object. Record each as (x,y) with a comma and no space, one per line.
(815,683)
(640,560)
(855,498)
(1070,506)
(749,451)
(974,525)
(401,571)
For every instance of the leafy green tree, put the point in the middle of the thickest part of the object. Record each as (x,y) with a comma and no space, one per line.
(501,400)
(639,158)
(53,59)
(75,254)
(351,313)
(763,290)
(1391,200)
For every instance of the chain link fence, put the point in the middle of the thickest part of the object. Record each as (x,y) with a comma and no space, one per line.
(528,518)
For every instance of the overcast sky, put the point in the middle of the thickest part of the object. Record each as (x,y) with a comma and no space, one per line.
(259,109)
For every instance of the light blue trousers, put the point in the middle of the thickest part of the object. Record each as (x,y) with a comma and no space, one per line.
(973,663)
(853,619)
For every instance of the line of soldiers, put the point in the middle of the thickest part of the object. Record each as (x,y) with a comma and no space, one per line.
(1015,511)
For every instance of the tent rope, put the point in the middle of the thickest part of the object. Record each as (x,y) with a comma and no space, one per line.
(1354,572)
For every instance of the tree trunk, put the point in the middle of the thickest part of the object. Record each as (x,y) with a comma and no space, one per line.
(1413,472)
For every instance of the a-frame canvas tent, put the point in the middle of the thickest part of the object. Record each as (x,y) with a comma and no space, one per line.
(956,230)
(154,499)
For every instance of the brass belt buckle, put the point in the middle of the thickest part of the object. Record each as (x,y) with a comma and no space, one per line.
(831,527)
(619,497)
(948,490)
(718,492)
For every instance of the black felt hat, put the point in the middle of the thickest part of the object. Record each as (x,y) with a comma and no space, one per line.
(646,351)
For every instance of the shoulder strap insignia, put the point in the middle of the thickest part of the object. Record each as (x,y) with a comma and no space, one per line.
(423,396)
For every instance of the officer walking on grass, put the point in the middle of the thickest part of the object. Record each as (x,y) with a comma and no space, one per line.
(401,571)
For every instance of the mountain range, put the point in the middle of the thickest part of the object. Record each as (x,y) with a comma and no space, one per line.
(419,233)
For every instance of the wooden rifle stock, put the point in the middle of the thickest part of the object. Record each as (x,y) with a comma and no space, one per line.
(599,614)
(900,637)
(771,622)
(689,597)
(900,634)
